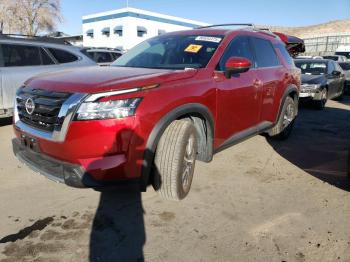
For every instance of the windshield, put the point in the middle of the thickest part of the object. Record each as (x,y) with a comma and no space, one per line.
(345,66)
(171,52)
(347,54)
(312,68)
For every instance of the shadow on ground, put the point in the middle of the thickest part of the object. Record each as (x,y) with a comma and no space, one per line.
(5,121)
(118,231)
(319,144)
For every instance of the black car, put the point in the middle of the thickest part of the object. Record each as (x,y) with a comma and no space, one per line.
(321,79)
(346,67)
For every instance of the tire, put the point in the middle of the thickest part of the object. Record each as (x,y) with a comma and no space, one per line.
(320,104)
(285,123)
(175,159)
(341,96)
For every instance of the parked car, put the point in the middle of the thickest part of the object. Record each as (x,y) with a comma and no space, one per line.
(22,58)
(103,56)
(173,99)
(337,58)
(321,79)
(343,50)
(346,68)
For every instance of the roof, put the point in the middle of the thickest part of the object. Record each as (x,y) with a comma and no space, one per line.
(141,14)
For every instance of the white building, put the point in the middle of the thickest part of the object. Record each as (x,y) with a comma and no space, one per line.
(126,27)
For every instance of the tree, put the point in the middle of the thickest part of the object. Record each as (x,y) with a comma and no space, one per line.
(7,15)
(30,17)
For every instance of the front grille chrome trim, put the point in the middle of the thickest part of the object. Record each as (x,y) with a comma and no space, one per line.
(65,116)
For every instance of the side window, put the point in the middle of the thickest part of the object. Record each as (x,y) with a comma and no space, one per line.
(102,57)
(338,67)
(62,56)
(21,55)
(46,60)
(264,52)
(240,47)
(286,56)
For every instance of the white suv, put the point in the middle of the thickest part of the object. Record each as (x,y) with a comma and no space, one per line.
(23,58)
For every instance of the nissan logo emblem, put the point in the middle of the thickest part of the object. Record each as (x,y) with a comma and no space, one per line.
(30,106)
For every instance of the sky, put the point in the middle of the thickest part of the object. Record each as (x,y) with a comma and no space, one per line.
(263,12)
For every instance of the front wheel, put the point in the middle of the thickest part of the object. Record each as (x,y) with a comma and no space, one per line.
(285,123)
(175,160)
(320,104)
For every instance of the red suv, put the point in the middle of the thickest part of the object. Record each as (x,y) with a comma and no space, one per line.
(171,100)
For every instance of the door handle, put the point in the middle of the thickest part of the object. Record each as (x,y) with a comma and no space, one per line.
(257,83)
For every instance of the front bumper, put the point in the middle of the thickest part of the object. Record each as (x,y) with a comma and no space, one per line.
(59,171)
(312,93)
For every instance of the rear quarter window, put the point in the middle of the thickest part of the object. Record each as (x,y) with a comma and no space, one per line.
(265,53)
(286,56)
(62,56)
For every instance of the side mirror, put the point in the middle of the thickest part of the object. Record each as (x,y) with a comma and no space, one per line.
(236,65)
(336,73)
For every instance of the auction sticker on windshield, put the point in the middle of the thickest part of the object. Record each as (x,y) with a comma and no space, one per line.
(193,48)
(208,39)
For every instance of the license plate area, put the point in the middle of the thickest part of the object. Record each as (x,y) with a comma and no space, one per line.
(30,143)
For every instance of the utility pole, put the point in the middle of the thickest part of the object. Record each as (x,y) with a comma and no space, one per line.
(127,3)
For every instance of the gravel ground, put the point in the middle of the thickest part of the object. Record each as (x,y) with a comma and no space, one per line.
(261,200)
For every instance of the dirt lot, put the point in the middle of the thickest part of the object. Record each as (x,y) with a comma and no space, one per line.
(258,201)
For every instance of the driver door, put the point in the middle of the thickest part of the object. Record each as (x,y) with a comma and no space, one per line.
(238,98)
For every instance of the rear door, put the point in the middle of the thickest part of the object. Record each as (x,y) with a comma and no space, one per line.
(21,62)
(271,73)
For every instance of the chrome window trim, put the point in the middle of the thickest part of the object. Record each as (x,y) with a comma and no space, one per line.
(65,116)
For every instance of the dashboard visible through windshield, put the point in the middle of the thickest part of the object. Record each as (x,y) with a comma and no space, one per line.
(172,52)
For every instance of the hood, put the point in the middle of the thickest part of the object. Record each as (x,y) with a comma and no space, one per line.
(313,79)
(101,79)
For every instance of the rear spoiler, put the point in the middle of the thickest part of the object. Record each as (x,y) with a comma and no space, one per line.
(294,44)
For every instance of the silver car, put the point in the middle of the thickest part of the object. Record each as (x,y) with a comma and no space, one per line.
(22,58)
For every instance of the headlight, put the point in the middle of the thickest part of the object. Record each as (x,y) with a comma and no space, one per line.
(108,109)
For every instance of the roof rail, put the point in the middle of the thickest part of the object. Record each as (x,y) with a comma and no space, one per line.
(252,26)
(34,38)
(231,24)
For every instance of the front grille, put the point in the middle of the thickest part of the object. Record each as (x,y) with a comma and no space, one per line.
(46,110)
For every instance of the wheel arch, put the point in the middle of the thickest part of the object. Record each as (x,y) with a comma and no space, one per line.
(293,92)
(203,121)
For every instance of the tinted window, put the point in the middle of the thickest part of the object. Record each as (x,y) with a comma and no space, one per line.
(312,67)
(115,55)
(285,54)
(239,47)
(62,56)
(46,60)
(102,57)
(20,55)
(265,54)
(345,66)
(347,54)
